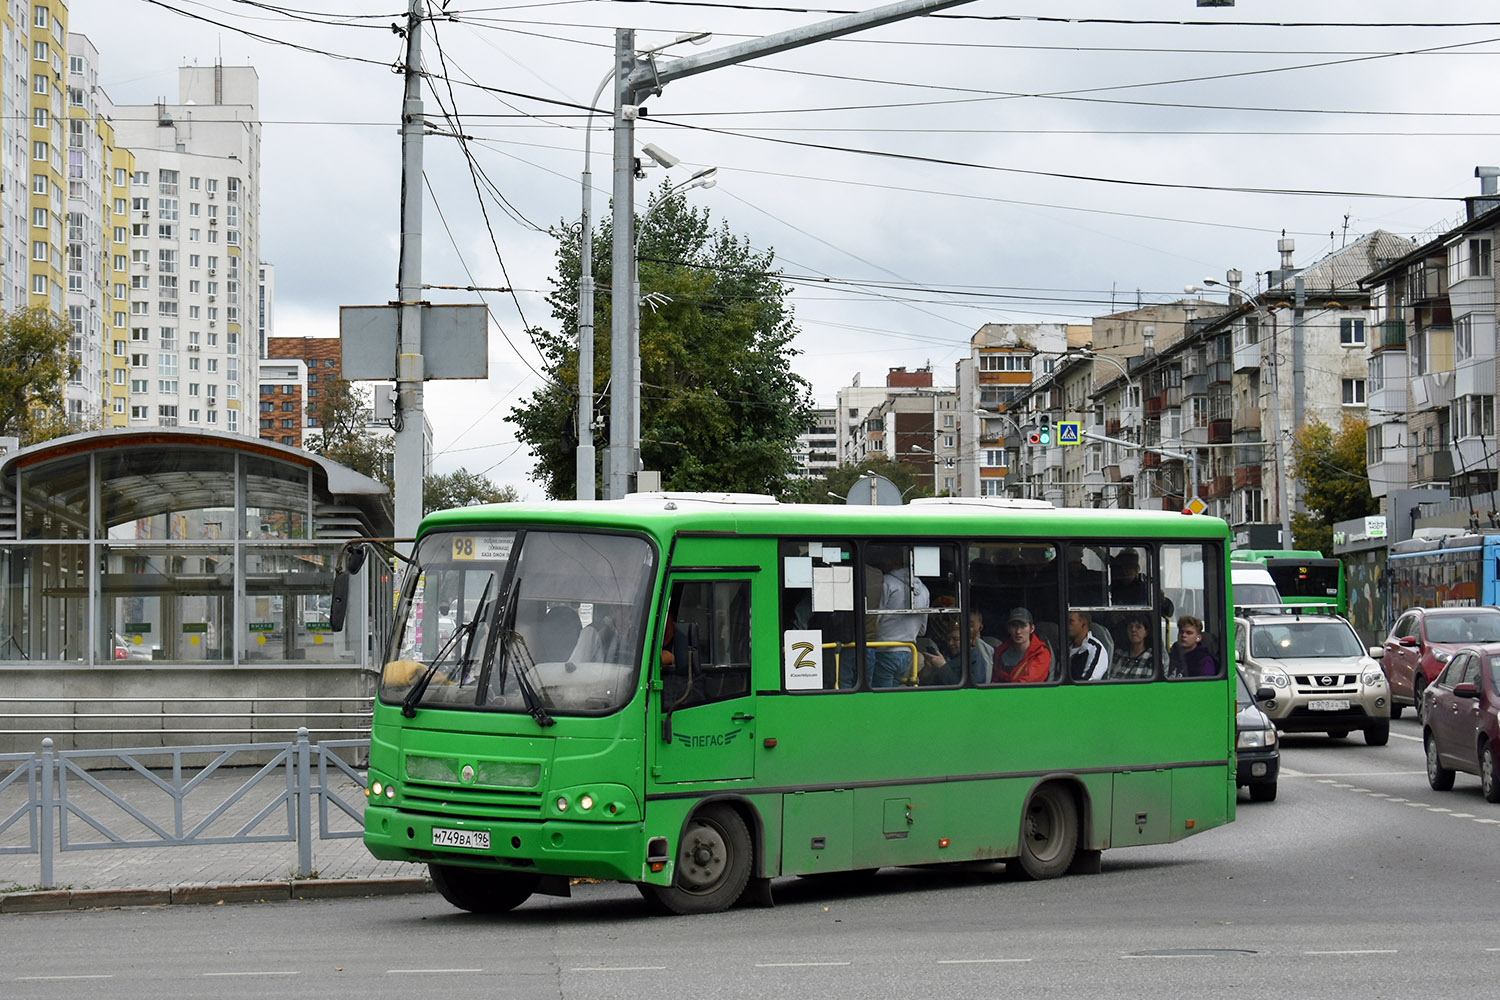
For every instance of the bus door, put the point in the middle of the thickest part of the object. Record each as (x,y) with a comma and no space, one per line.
(702,721)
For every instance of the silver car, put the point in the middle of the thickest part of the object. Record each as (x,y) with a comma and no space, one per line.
(1322,677)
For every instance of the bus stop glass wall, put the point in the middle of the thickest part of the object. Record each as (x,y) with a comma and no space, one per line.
(44,602)
(285,611)
(55,500)
(165,494)
(277,499)
(169,602)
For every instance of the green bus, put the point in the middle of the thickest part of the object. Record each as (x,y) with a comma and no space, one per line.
(699,693)
(1303,577)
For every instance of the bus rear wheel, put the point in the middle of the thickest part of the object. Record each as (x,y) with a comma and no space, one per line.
(1049,832)
(482,891)
(713,864)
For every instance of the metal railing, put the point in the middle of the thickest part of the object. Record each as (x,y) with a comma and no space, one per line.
(176,715)
(54,801)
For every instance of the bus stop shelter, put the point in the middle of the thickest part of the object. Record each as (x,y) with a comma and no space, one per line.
(169,562)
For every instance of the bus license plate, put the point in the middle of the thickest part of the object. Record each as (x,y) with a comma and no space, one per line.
(476,840)
(1326,705)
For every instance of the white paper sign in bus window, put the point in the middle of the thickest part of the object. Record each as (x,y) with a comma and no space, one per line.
(802,659)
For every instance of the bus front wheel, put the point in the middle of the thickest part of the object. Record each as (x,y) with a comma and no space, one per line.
(482,891)
(713,864)
(1049,832)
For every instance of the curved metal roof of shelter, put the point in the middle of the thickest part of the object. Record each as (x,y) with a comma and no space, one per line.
(45,489)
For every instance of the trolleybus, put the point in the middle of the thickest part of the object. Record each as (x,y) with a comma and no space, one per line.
(700,693)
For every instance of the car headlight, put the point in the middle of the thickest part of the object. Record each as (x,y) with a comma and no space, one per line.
(1248,739)
(1441,655)
(1373,677)
(1275,678)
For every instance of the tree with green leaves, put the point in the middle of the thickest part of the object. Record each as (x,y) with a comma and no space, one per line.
(344,436)
(721,402)
(462,489)
(1330,466)
(34,367)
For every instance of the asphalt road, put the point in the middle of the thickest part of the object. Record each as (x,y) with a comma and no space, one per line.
(1358,882)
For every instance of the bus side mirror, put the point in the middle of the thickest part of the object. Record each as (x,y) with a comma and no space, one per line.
(353,560)
(339,605)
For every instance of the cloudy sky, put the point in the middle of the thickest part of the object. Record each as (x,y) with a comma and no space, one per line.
(994,163)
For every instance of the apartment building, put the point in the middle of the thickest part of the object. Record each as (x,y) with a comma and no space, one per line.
(1431,372)
(193,216)
(816,450)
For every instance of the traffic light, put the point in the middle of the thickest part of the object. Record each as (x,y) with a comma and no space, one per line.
(1044,432)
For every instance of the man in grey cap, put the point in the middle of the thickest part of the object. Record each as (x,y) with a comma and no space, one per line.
(1023,658)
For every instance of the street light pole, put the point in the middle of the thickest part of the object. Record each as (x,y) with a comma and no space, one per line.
(635,79)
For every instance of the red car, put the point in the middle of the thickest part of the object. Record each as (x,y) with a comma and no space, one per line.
(1421,642)
(1460,731)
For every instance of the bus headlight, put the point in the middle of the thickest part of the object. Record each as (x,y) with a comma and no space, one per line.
(585,802)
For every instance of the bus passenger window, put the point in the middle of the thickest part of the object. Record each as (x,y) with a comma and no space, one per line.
(818,620)
(1005,580)
(1192,579)
(917,592)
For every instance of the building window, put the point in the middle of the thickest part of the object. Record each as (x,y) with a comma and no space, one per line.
(1353,391)
(1479,258)
(1463,338)
(1351,333)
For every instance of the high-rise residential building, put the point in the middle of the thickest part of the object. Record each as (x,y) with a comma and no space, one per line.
(193,215)
(265,295)
(33,137)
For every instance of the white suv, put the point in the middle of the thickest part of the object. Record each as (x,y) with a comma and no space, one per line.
(1322,676)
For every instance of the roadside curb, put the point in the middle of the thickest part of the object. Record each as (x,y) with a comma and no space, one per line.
(43,900)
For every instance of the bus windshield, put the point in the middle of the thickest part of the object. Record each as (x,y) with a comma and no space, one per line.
(1305,579)
(534,622)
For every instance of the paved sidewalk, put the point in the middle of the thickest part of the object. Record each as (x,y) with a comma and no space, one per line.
(208,873)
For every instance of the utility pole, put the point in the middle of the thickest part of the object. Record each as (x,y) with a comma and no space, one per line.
(637,78)
(1299,377)
(410,446)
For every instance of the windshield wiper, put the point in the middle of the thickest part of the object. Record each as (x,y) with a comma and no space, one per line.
(466,630)
(515,642)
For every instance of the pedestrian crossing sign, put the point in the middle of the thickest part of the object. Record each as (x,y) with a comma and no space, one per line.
(1069,432)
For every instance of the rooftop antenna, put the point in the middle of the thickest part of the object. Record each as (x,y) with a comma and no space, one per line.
(1346,230)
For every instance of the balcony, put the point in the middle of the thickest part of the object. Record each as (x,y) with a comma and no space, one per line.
(1247,418)
(1112,428)
(1390,333)
(1219,431)
(1246,475)
(1434,467)
(1246,357)
(1221,371)
(1153,408)
(1216,487)
(1150,460)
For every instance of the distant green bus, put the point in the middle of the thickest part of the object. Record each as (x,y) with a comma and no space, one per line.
(700,693)
(1303,577)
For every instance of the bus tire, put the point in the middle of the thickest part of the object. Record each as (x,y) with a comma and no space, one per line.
(482,891)
(1049,832)
(713,864)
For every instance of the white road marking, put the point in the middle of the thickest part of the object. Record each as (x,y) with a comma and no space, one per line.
(979,961)
(285,972)
(45,979)
(1462,815)
(621,968)
(1365,951)
(1403,736)
(1166,956)
(797,965)
(424,972)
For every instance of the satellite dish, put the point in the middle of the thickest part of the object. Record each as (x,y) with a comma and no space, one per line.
(870,489)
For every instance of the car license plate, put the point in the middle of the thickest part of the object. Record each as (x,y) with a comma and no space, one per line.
(1325,705)
(476,840)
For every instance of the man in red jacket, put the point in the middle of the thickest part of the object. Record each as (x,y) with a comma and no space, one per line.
(1023,658)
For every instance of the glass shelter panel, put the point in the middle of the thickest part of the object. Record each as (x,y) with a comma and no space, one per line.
(285,611)
(169,602)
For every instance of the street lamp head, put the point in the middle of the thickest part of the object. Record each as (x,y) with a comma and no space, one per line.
(661,156)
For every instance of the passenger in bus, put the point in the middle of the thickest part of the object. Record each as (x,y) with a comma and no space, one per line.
(1126,585)
(900,590)
(1023,658)
(945,668)
(1190,656)
(599,641)
(1088,660)
(1133,659)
